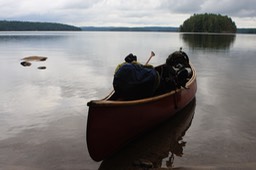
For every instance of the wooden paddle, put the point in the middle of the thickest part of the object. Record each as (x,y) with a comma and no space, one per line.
(151,55)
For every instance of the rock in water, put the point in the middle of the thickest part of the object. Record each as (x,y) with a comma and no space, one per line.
(25,63)
(41,67)
(35,58)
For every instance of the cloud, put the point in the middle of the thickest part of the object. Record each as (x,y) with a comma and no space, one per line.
(233,8)
(182,6)
(123,12)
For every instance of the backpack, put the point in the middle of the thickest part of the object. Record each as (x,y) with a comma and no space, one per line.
(178,57)
(133,81)
(178,68)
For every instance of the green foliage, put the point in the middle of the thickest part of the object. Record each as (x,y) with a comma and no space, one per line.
(35,26)
(208,23)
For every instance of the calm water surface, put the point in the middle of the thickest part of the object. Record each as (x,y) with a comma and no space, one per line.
(43,112)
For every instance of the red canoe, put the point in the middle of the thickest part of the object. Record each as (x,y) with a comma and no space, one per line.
(112,124)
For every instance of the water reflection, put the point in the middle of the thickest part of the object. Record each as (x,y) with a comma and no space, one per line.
(209,41)
(14,37)
(156,149)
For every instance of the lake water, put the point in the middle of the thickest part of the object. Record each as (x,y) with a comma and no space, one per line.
(43,112)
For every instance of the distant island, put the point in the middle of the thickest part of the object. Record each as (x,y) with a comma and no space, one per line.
(35,26)
(211,23)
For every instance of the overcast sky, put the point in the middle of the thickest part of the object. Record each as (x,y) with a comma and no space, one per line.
(126,12)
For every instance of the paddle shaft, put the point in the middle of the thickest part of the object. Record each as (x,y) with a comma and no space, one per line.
(151,55)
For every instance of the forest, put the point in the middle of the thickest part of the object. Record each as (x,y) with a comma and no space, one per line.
(246,30)
(212,23)
(35,26)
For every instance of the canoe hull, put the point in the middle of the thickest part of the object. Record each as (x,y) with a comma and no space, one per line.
(112,124)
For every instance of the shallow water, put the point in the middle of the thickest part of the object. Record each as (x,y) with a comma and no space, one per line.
(43,112)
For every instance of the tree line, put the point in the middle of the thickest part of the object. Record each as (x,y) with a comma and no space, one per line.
(212,23)
(246,30)
(136,29)
(35,26)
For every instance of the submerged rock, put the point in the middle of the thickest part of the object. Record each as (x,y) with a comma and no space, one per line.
(35,58)
(41,67)
(25,63)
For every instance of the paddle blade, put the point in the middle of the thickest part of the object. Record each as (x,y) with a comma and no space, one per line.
(152,53)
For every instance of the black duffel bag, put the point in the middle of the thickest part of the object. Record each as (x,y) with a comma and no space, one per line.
(134,81)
